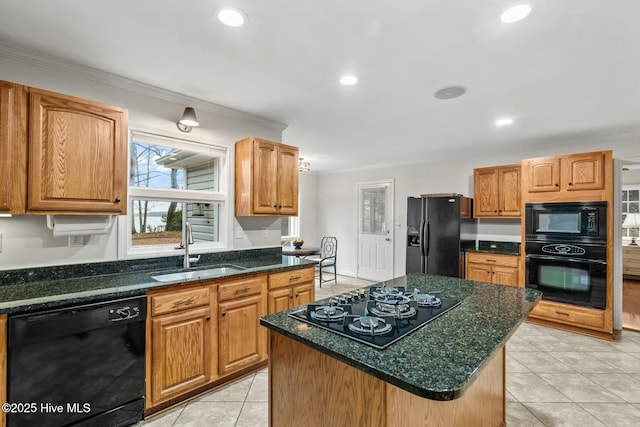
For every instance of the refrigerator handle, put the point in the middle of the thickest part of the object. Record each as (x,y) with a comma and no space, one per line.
(426,240)
(422,224)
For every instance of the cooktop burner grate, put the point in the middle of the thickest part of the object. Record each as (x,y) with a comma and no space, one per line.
(377,317)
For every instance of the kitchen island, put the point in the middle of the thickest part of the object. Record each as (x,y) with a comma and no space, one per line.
(449,372)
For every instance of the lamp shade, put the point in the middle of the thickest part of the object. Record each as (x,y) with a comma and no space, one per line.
(189,117)
(632,221)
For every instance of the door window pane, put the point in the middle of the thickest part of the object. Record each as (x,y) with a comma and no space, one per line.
(373,211)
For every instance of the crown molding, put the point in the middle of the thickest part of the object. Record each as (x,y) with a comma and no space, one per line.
(74,69)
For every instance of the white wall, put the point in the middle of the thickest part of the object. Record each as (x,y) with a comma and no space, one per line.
(336,203)
(27,242)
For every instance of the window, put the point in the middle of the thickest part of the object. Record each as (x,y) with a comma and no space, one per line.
(289,229)
(172,181)
(630,204)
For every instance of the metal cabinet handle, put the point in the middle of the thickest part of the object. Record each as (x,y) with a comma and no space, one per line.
(241,291)
(117,200)
(556,184)
(490,260)
(563,313)
(292,278)
(224,313)
(184,301)
(571,183)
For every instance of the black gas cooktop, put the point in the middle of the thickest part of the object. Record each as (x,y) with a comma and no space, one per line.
(377,316)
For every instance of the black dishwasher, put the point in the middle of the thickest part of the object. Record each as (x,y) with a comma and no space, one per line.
(81,365)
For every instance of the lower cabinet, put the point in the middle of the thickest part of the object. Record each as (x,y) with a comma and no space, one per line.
(242,342)
(493,268)
(198,334)
(180,343)
(291,289)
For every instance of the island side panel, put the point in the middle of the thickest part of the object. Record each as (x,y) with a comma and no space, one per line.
(483,403)
(308,388)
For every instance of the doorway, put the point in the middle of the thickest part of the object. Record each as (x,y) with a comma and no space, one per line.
(375,230)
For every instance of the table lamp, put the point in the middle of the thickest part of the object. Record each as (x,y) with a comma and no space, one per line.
(632,222)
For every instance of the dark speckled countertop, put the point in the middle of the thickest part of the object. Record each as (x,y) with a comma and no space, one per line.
(486,246)
(439,360)
(36,289)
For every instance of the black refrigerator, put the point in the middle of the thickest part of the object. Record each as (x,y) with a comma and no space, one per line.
(438,227)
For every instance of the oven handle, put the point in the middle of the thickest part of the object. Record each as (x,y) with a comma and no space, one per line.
(554,258)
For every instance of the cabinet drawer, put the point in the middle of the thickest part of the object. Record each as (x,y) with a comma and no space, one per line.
(240,288)
(179,300)
(578,316)
(493,259)
(289,278)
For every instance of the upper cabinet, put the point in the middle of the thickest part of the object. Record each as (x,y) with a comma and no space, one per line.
(496,192)
(77,155)
(13,147)
(569,177)
(75,152)
(266,178)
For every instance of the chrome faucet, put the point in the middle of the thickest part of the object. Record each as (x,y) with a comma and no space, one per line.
(188,240)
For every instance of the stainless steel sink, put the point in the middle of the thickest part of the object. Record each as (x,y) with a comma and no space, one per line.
(197,274)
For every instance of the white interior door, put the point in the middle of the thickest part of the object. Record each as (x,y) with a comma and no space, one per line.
(375,230)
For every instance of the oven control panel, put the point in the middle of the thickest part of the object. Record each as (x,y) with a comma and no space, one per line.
(563,249)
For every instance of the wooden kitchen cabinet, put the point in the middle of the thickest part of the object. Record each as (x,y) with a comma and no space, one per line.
(291,289)
(266,178)
(13,147)
(242,342)
(631,262)
(181,344)
(496,191)
(569,173)
(493,268)
(77,156)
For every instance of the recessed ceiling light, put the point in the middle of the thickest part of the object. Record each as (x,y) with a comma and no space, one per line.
(349,80)
(504,121)
(450,92)
(515,13)
(231,16)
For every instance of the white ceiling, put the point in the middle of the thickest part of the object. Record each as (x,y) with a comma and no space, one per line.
(571,68)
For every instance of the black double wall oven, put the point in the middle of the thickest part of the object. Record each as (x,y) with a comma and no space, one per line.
(566,247)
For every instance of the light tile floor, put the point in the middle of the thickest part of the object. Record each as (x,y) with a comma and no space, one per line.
(554,378)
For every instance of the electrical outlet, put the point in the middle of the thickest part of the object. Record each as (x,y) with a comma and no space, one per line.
(264,233)
(239,233)
(76,241)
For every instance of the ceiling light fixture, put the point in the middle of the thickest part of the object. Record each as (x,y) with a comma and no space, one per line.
(504,121)
(303,166)
(188,120)
(515,13)
(232,16)
(450,92)
(348,80)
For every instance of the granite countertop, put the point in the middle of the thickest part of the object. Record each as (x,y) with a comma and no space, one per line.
(491,247)
(439,360)
(32,290)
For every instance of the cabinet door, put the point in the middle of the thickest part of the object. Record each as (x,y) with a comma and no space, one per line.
(583,171)
(478,272)
(303,294)
(504,276)
(288,180)
(485,192)
(241,339)
(509,189)
(265,177)
(544,174)
(180,353)
(77,155)
(278,300)
(13,148)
